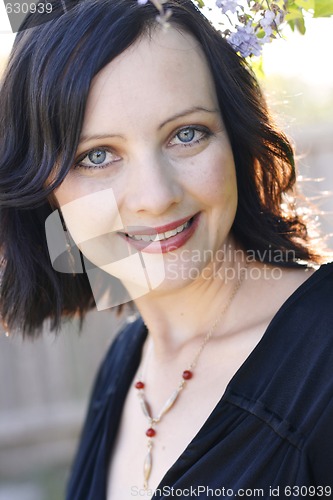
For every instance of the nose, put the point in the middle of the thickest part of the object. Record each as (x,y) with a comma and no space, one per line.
(153,185)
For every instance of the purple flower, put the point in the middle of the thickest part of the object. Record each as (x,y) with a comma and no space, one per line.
(142,2)
(279,16)
(245,41)
(227,5)
(268,24)
(268,18)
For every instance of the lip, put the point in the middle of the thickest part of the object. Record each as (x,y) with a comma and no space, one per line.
(163,246)
(139,230)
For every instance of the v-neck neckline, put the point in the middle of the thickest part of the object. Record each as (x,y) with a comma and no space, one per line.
(142,335)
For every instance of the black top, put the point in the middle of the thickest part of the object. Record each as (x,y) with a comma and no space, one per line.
(272,430)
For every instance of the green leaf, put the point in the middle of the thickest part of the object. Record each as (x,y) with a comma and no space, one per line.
(300,25)
(323,8)
(281,3)
(294,12)
(292,24)
(305,4)
(260,33)
(297,24)
(200,3)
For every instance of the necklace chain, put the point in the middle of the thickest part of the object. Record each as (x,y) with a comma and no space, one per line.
(187,375)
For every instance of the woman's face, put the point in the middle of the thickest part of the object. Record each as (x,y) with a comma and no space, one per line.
(154,163)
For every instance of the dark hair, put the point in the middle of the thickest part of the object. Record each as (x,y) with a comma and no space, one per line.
(42,103)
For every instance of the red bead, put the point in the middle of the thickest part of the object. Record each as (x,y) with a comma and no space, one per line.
(139,385)
(150,432)
(187,374)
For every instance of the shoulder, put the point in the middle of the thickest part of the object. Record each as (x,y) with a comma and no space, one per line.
(291,370)
(127,340)
(304,325)
(296,294)
(313,299)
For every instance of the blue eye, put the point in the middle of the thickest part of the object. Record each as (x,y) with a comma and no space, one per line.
(97,156)
(186,135)
(190,136)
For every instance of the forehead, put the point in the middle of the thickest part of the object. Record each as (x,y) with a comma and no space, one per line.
(157,75)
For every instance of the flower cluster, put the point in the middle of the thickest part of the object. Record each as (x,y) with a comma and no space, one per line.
(245,41)
(249,24)
(252,23)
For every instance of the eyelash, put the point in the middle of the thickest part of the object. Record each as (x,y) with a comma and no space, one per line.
(77,164)
(206,133)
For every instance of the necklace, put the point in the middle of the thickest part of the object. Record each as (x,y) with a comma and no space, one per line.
(186,375)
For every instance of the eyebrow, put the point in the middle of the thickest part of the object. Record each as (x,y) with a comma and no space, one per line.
(194,109)
(86,138)
(186,112)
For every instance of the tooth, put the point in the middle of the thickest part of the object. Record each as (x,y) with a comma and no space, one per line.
(159,236)
(168,234)
(145,237)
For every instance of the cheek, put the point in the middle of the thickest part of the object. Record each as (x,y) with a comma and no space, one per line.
(222,186)
(76,186)
(215,178)
(88,213)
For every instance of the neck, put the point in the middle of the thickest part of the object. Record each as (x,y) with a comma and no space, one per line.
(179,317)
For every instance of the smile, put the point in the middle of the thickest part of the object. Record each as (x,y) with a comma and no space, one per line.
(162,239)
(160,236)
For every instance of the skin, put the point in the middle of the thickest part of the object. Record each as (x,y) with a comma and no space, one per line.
(154,179)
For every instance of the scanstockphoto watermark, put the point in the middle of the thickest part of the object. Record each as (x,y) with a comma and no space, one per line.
(201,491)
(24,14)
(117,272)
(226,274)
(228,263)
(197,492)
(228,253)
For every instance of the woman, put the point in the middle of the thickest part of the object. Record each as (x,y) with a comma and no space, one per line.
(156,150)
